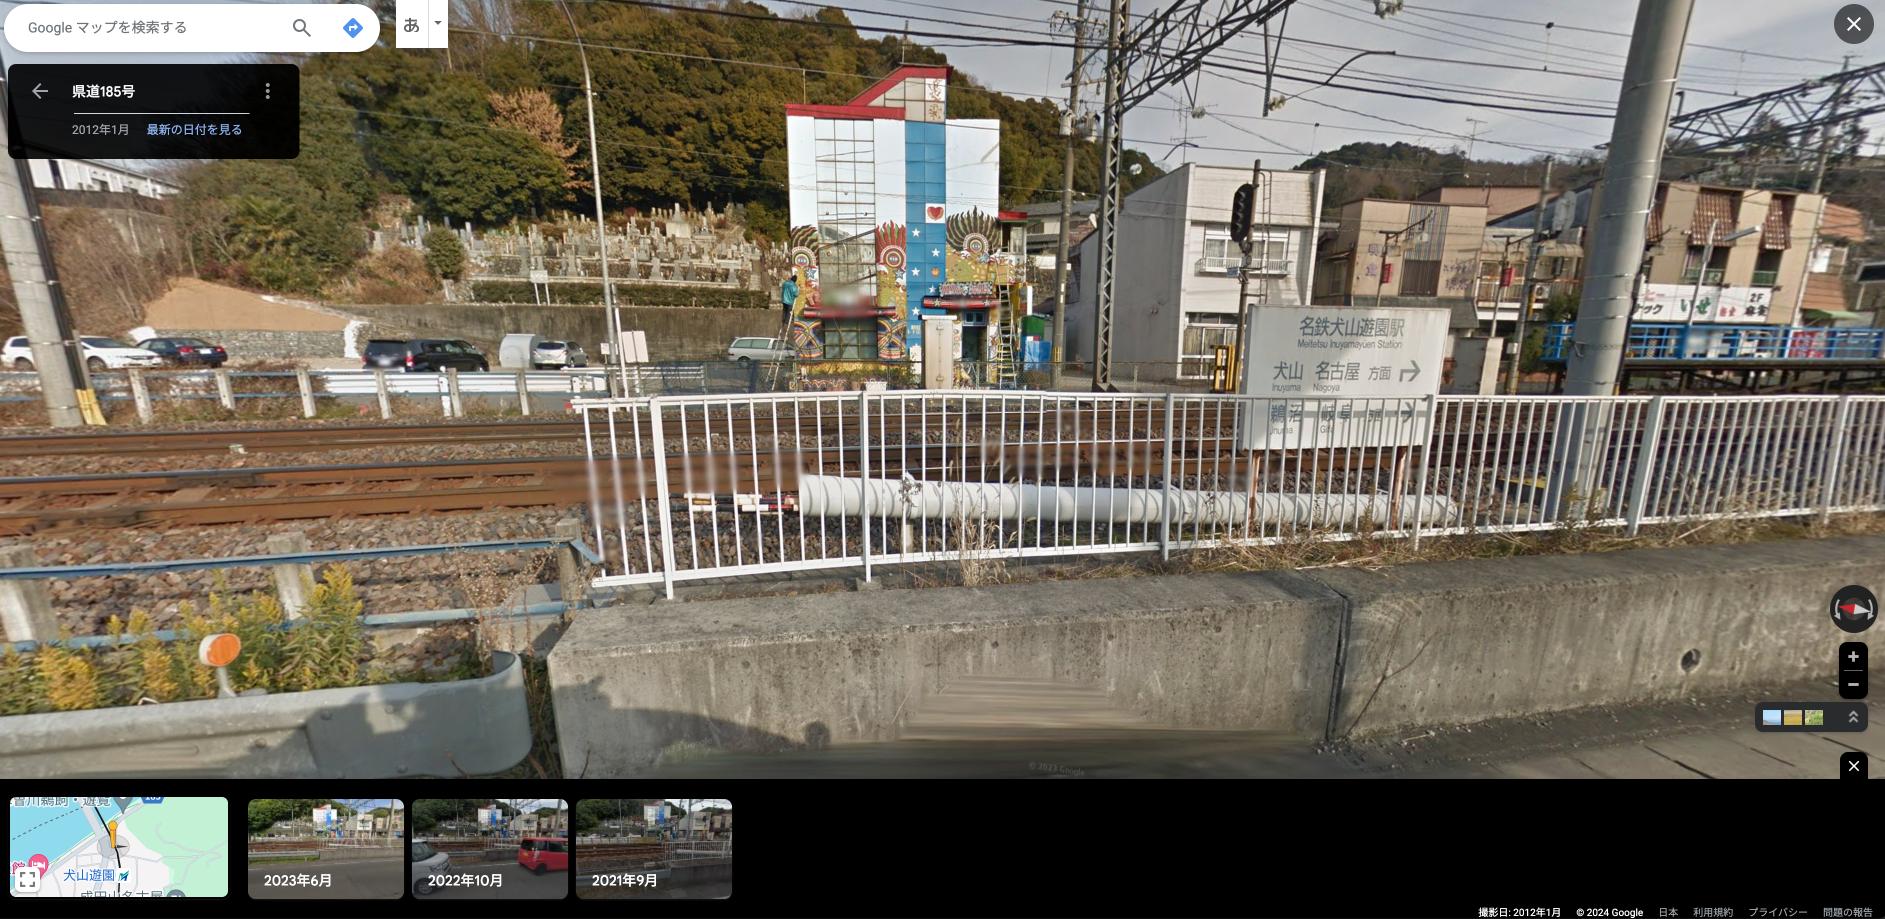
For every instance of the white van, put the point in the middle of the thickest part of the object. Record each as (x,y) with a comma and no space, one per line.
(760,349)
(426,862)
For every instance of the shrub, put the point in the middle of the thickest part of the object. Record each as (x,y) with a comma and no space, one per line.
(444,253)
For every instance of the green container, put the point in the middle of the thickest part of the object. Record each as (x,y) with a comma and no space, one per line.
(1034,326)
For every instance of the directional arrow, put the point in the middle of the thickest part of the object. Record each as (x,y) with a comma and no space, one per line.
(122,802)
(39,90)
(1411,371)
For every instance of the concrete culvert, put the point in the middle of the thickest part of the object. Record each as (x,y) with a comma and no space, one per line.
(1691,659)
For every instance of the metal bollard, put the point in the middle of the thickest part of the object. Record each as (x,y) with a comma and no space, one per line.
(225,393)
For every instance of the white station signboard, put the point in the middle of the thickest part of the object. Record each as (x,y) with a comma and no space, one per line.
(1342,376)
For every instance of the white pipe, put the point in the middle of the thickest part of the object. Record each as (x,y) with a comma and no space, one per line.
(842,496)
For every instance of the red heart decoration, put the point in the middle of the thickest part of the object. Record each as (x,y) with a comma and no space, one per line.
(935,213)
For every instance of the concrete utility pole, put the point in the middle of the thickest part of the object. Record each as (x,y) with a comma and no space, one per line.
(1629,189)
(1531,272)
(619,379)
(42,303)
(1059,355)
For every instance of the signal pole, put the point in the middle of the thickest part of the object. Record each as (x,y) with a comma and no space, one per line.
(1059,355)
(1242,209)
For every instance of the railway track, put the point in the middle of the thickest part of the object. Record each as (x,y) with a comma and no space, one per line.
(261,440)
(29,505)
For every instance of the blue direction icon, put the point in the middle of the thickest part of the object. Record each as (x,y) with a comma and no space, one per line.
(353,28)
(153,800)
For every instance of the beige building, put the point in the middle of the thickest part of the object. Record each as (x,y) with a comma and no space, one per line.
(1403,253)
(1498,200)
(1759,279)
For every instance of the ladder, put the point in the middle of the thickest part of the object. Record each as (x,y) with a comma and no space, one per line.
(1005,339)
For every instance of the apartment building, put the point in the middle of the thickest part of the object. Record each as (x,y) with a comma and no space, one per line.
(1176,293)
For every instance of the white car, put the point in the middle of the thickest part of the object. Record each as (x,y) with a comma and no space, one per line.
(760,349)
(426,863)
(100,354)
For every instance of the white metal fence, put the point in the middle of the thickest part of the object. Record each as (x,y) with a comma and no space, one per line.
(687,488)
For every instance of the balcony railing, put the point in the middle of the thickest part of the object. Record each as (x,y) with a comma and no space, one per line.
(1674,341)
(1228,267)
(1713,278)
(1766,279)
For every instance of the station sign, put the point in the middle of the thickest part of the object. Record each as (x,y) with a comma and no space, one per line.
(1341,376)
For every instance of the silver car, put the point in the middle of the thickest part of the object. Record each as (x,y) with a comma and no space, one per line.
(760,349)
(551,355)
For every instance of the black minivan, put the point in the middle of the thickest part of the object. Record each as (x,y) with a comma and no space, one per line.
(423,355)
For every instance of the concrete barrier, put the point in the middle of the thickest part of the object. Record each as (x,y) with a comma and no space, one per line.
(1225,651)
(474,726)
(1468,641)
(1314,654)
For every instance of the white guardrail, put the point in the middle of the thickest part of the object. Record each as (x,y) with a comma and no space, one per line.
(759,484)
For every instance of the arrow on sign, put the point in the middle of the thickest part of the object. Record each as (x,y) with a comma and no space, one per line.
(1411,371)
(39,90)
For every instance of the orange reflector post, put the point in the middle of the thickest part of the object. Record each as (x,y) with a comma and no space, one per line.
(219,650)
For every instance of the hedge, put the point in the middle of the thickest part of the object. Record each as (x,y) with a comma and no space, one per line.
(625,295)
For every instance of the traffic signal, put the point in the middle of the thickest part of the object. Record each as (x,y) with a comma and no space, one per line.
(1241,206)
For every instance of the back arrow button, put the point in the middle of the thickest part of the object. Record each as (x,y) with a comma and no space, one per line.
(39,90)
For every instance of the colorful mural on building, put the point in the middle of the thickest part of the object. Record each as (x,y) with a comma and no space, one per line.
(890,199)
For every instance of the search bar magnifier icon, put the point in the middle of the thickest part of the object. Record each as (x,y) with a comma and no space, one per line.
(301,25)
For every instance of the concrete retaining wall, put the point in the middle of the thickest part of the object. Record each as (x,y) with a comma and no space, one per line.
(1469,641)
(1439,643)
(270,345)
(674,333)
(1226,651)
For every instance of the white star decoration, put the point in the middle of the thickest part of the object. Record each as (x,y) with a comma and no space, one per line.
(935,253)
(916,233)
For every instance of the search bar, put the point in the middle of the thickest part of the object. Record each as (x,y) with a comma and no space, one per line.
(160,28)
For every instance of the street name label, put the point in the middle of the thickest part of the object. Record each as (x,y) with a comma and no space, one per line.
(1340,376)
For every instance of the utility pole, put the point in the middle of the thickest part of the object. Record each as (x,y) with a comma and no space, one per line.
(1631,173)
(1826,131)
(1472,139)
(1110,192)
(62,383)
(1059,355)
(618,381)
(1531,268)
(1819,178)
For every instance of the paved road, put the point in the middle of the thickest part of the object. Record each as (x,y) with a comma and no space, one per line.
(989,727)
(515,882)
(352,879)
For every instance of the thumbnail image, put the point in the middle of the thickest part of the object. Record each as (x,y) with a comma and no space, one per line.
(1770,716)
(327,848)
(490,848)
(118,847)
(1815,717)
(654,848)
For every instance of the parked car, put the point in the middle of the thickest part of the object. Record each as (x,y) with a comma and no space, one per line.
(760,349)
(186,351)
(422,355)
(550,355)
(426,862)
(100,354)
(543,853)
